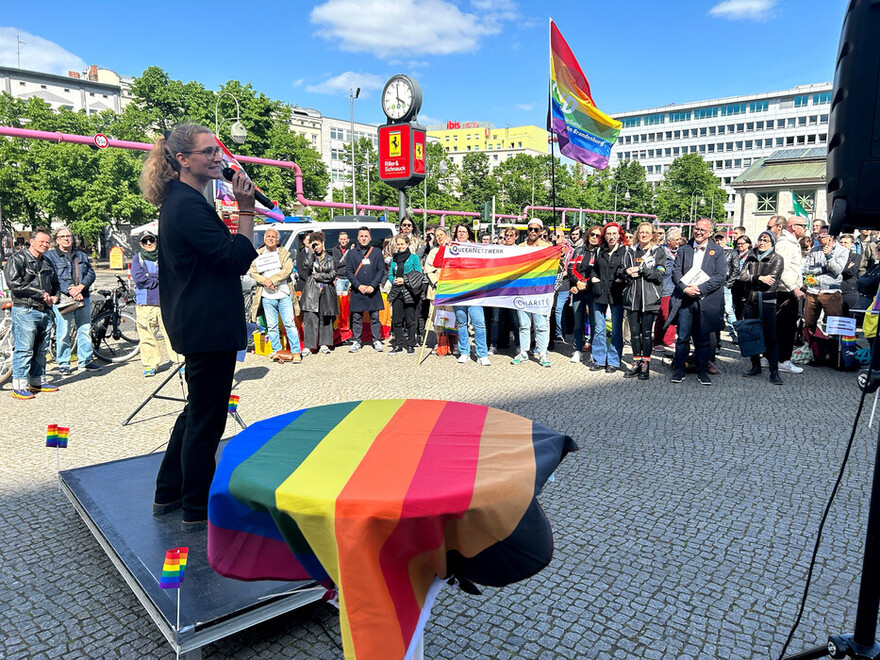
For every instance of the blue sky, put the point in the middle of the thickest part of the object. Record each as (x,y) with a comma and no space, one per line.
(476,60)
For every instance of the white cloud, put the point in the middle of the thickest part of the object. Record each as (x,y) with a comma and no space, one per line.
(758,10)
(342,83)
(298,82)
(395,28)
(37,54)
(525,106)
(429,121)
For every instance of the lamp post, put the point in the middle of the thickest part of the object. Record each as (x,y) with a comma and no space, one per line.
(626,197)
(237,131)
(694,196)
(442,168)
(352,95)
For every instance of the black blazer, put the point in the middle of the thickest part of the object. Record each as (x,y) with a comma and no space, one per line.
(200,269)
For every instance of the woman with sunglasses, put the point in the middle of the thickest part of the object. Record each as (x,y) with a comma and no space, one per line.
(408,228)
(580,272)
(563,290)
(200,269)
(760,277)
(608,280)
(645,267)
(145,275)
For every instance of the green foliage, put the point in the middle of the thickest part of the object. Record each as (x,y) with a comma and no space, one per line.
(688,190)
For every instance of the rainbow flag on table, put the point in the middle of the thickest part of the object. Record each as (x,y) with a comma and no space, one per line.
(498,276)
(379,497)
(233,402)
(585,133)
(174,568)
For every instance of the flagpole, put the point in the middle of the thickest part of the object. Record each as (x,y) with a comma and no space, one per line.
(553,178)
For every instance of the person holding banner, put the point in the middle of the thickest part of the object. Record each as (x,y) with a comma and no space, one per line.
(474,313)
(200,269)
(433,266)
(608,280)
(645,268)
(541,322)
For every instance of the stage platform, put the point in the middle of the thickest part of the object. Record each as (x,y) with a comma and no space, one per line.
(115,501)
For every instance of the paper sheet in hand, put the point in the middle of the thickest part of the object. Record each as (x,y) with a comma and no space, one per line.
(695,277)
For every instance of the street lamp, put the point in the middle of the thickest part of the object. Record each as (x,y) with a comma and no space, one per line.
(442,168)
(626,197)
(352,95)
(694,196)
(237,131)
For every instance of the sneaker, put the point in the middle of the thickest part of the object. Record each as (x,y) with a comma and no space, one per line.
(492,350)
(42,387)
(324,349)
(411,350)
(704,379)
(396,350)
(355,347)
(22,394)
(597,367)
(484,361)
(464,359)
(545,360)
(149,373)
(678,376)
(307,351)
(790,368)
(65,371)
(91,366)
(296,358)
(669,348)
(576,357)
(764,362)
(377,346)
(520,358)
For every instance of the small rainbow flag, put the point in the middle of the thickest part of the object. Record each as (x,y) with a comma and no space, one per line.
(233,402)
(509,276)
(173,568)
(52,435)
(63,434)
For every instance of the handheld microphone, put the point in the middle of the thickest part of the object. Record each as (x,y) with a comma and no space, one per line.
(228,173)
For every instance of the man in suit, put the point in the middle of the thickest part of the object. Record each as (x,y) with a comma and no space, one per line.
(697,304)
(365,268)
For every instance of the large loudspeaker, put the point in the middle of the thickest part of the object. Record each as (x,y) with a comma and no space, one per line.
(853,174)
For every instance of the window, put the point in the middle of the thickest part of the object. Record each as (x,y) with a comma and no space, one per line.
(338,154)
(768,143)
(823,119)
(737,162)
(802,121)
(780,123)
(791,121)
(468,136)
(447,138)
(728,164)
(655,119)
(801,100)
(711,148)
(811,139)
(824,97)
(728,146)
(759,106)
(677,135)
(721,130)
(711,130)
(650,153)
(675,151)
(747,162)
(759,125)
(719,164)
(806,200)
(705,113)
(476,147)
(814,119)
(748,144)
(739,145)
(780,142)
(668,135)
(703,132)
(750,126)
(679,116)
(733,109)
(668,152)
(702,148)
(766,202)
(649,169)
(719,147)
(789,141)
(740,128)
(629,122)
(693,132)
(822,137)
(801,139)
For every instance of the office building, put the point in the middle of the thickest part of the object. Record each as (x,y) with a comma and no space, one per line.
(461,138)
(93,90)
(729,133)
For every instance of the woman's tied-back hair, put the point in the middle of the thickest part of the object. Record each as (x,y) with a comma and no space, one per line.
(161,165)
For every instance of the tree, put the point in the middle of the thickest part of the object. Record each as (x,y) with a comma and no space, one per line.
(476,182)
(688,189)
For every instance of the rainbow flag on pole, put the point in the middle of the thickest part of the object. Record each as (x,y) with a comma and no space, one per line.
(233,402)
(173,568)
(585,133)
(498,276)
(380,497)
(56,436)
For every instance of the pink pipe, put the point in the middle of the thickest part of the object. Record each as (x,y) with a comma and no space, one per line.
(567,208)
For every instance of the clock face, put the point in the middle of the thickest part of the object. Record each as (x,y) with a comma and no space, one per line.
(401,98)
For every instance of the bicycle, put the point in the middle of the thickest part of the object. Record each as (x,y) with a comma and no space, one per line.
(114,329)
(5,341)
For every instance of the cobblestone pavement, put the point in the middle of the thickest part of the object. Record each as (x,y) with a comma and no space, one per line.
(683,527)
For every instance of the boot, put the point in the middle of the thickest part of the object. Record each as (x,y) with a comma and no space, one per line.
(754,371)
(636,369)
(645,373)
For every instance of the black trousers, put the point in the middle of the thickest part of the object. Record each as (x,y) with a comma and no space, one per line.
(771,343)
(357,326)
(787,314)
(317,330)
(403,323)
(189,462)
(640,327)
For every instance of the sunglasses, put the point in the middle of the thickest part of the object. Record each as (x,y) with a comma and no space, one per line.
(595,234)
(148,241)
(533,229)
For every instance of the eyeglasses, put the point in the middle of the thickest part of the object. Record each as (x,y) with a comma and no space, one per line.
(61,236)
(534,229)
(148,241)
(406,224)
(595,234)
(210,152)
(798,224)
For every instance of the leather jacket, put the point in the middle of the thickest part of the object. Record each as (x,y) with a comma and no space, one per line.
(28,277)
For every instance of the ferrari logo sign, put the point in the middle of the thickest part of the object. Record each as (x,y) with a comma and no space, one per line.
(394,144)
(420,155)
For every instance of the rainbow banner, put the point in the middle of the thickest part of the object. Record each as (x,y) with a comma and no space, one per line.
(378,498)
(233,402)
(174,568)
(498,276)
(223,189)
(52,435)
(585,133)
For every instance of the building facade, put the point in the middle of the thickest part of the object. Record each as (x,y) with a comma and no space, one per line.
(460,138)
(93,90)
(731,134)
(770,186)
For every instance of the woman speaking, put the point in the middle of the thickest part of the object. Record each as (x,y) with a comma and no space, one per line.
(200,265)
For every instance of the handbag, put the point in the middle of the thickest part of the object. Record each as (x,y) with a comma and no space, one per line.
(750,333)
(67,304)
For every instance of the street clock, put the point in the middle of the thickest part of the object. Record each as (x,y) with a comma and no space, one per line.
(401,98)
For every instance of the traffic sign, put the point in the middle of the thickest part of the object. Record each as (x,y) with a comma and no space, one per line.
(101,141)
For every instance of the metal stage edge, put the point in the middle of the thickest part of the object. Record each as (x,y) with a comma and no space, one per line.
(189,644)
